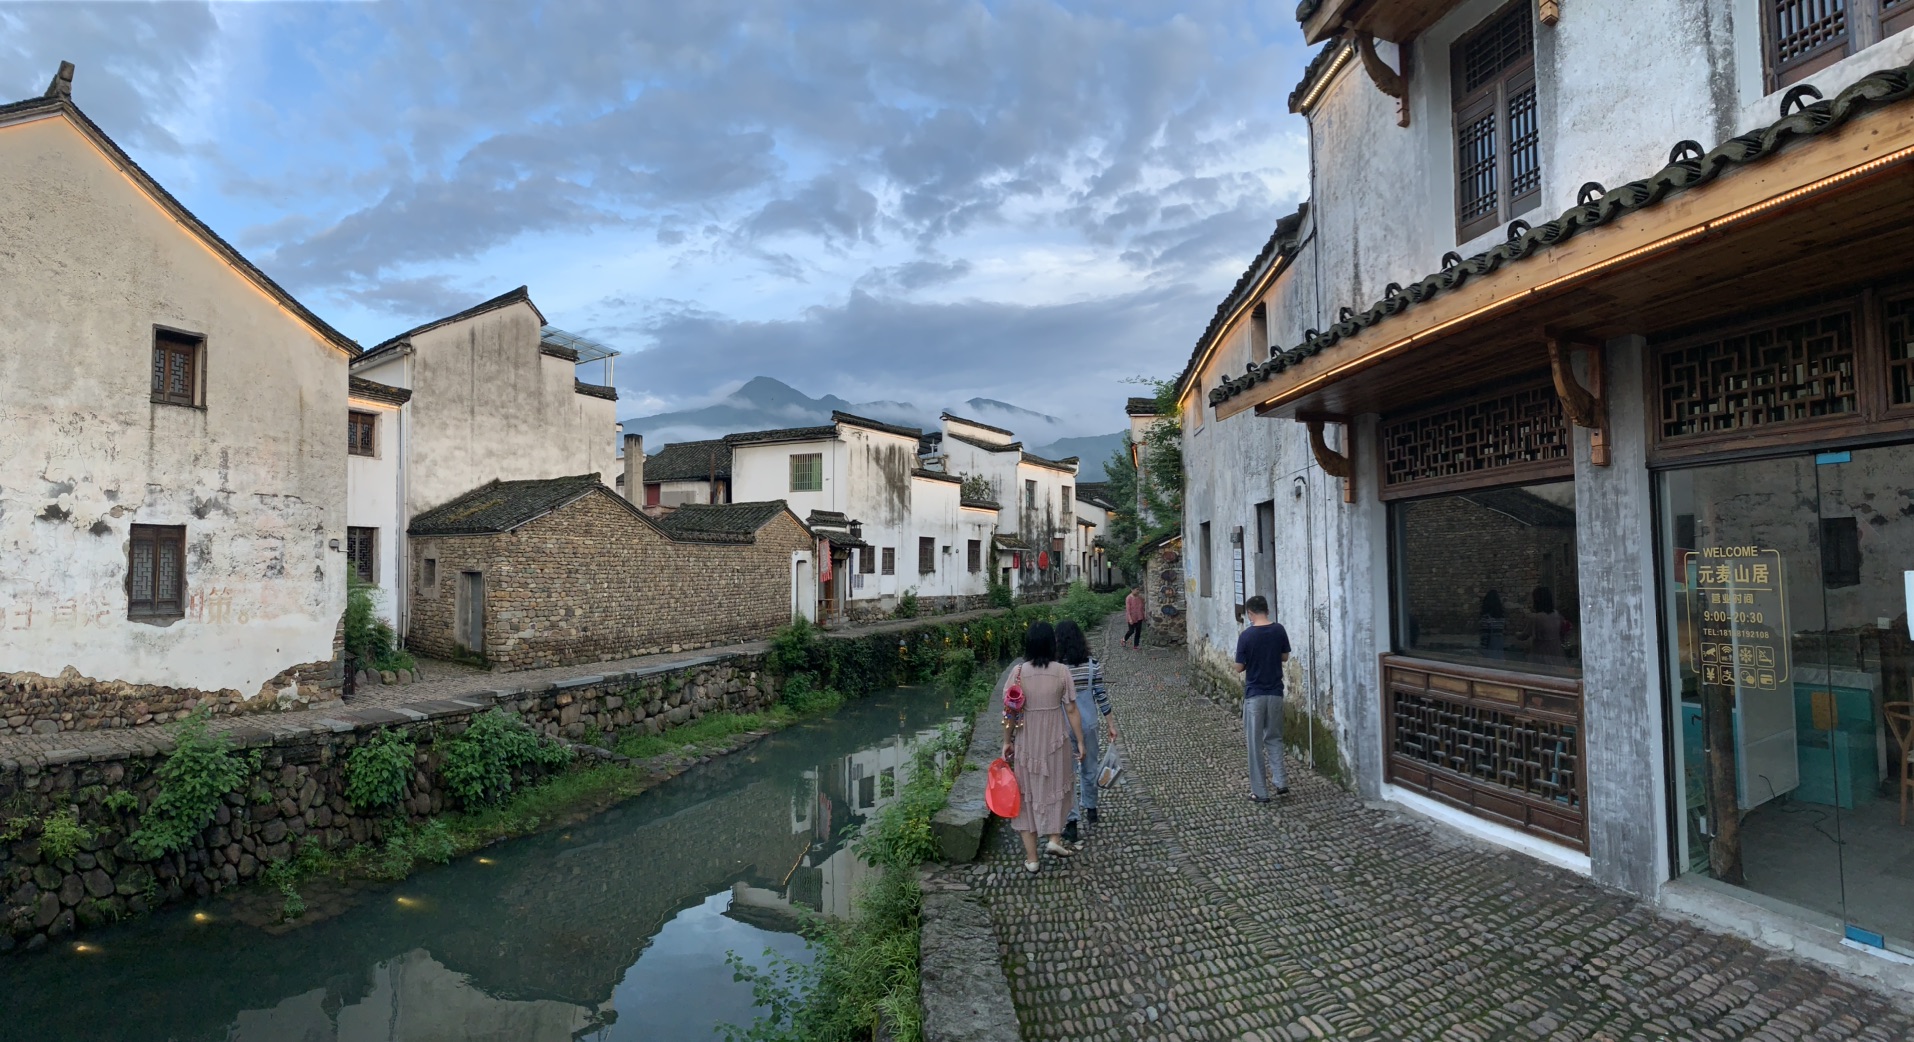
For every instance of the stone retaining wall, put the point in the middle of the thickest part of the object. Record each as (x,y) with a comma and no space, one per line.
(296,793)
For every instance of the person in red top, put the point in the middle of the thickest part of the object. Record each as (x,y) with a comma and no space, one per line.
(1133,614)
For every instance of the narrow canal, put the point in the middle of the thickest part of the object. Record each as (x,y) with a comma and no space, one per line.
(613,929)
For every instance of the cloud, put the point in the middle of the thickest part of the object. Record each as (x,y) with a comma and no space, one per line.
(914,275)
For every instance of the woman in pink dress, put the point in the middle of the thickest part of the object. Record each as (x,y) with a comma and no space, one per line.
(1039,747)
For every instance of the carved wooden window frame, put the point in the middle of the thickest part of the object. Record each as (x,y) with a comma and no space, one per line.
(1555,450)
(178,353)
(1864,24)
(156,599)
(1493,101)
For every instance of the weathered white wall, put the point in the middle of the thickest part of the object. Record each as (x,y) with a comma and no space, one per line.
(372,500)
(258,476)
(488,405)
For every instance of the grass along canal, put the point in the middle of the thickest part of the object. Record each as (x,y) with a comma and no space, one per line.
(614,927)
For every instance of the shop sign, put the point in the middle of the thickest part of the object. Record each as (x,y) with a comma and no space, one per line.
(1739,609)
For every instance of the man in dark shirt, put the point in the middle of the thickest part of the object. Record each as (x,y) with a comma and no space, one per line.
(1261,651)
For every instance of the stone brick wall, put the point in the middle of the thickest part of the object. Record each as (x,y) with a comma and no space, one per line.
(295,797)
(591,582)
(879,609)
(1163,589)
(1455,551)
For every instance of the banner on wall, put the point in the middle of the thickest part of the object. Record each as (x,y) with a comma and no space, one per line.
(824,557)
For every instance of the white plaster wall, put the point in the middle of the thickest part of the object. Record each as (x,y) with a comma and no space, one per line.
(878,492)
(258,476)
(488,405)
(372,500)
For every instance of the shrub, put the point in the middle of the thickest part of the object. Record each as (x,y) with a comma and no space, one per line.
(378,771)
(61,834)
(202,768)
(123,801)
(792,648)
(477,765)
(906,604)
(999,594)
(802,695)
(370,639)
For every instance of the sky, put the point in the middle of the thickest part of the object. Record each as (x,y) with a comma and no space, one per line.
(908,200)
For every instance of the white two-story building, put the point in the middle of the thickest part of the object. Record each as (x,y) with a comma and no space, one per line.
(1569,426)
(1037,531)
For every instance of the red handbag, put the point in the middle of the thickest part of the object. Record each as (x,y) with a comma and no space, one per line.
(1001,792)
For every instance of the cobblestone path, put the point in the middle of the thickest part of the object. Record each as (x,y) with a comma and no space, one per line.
(1193,913)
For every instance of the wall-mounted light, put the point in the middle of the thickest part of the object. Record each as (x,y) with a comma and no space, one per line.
(1297,487)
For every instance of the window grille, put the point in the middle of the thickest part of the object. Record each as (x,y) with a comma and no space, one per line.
(362,553)
(807,472)
(926,555)
(1787,373)
(1517,428)
(176,367)
(976,555)
(156,572)
(360,428)
(890,560)
(1898,325)
(1498,144)
(867,560)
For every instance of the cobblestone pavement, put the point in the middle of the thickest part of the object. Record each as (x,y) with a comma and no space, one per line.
(1193,913)
(443,681)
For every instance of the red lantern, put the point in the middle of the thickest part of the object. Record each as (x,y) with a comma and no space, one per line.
(1043,560)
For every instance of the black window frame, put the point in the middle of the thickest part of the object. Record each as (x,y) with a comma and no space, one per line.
(362,553)
(867,560)
(156,539)
(1507,101)
(364,421)
(171,345)
(926,555)
(975,555)
(890,560)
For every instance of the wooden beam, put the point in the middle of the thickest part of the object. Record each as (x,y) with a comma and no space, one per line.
(1584,407)
(1387,80)
(1333,463)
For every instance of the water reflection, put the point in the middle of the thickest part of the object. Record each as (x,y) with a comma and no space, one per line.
(615,929)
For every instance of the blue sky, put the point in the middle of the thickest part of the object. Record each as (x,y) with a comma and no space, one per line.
(916,200)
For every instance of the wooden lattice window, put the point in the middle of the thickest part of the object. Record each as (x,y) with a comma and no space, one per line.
(1806,36)
(867,560)
(1482,441)
(975,555)
(1898,326)
(362,553)
(176,367)
(1792,372)
(156,572)
(1498,139)
(1539,759)
(361,433)
(926,555)
(890,560)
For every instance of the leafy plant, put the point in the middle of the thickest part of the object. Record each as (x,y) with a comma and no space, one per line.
(62,835)
(906,604)
(15,828)
(977,487)
(792,647)
(477,764)
(998,594)
(125,801)
(370,639)
(378,771)
(284,877)
(202,768)
(803,696)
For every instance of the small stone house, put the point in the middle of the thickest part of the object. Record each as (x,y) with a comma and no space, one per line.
(550,572)
(688,472)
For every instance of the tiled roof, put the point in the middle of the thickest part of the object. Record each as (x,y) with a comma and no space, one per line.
(500,506)
(1068,463)
(1318,65)
(374,391)
(935,475)
(980,504)
(724,522)
(875,425)
(1096,493)
(974,423)
(783,434)
(521,294)
(690,461)
(1282,242)
(595,390)
(63,103)
(1688,167)
(987,446)
(1008,542)
(1140,407)
(558,351)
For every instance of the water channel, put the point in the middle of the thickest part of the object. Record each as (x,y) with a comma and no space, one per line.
(612,930)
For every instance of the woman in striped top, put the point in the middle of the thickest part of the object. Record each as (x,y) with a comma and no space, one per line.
(1073,650)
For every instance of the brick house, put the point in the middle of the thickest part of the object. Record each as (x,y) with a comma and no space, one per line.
(548,572)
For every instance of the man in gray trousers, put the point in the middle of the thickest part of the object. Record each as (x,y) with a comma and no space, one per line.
(1260,653)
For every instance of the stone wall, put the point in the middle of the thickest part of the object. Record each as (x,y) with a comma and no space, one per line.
(886,608)
(593,581)
(296,794)
(1165,605)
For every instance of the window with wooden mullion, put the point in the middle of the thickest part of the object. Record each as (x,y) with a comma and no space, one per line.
(1497,131)
(360,432)
(156,572)
(175,368)
(1805,36)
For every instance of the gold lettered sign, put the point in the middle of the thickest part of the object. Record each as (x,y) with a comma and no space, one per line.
(1739,607)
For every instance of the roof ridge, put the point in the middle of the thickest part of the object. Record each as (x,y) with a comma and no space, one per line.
(513,296)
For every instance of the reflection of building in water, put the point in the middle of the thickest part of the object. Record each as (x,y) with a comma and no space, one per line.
(839,801)
(414,998)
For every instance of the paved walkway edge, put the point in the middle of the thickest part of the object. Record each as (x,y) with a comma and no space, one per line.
(959,827)
(965,996)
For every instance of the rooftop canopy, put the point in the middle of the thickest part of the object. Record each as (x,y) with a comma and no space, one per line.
(588,350)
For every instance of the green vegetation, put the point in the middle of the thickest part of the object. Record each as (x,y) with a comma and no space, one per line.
(906,605)
(369,639)
(477,765)
(378,771)
(61,834)
(1159,486)
(124,801)
(711,731)
(202,768)
(977,487)
(998,593)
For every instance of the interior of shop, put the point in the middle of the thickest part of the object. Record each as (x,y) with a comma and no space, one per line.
(1788,589)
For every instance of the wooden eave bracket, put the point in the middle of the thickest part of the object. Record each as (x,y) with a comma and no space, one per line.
(1389,81)
(1333,463)
(1584,406)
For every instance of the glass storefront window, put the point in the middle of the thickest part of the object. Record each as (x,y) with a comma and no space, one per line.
(1785,600)
(1488,577)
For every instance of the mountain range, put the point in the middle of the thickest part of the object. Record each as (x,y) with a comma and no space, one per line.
(764,403)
